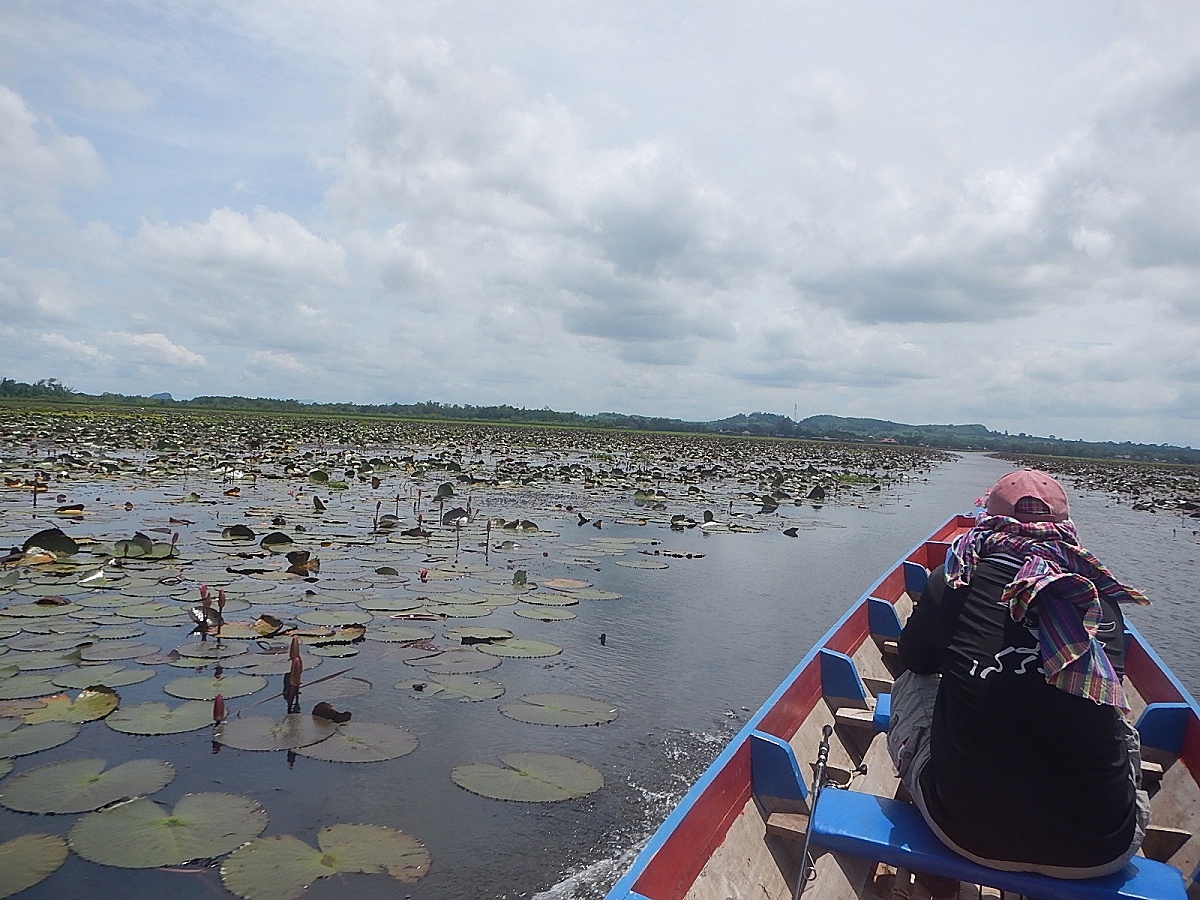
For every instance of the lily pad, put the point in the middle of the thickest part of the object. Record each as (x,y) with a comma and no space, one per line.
(452,687)
(143,834)
(158,718)
(52,539)
(399,633)
(264,733)
(523,648)
(545,613)
(565,584)
(282,868)
(336,617)
(109,675)
(19,687)
(559,709)
(91,704)
(363,742)
(83,785)
(529,777)
(551,599)
(642,564)
(455,662)
(476,634)
(21,740)
(28,859)
(207,687)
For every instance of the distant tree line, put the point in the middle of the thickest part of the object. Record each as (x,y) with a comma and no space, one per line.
(759,424)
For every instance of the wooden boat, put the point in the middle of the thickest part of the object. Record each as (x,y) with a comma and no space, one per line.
(740,833)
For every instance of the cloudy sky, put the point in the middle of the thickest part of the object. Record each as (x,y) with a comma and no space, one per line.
(924,212)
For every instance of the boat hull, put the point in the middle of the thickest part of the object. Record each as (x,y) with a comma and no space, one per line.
(738,832)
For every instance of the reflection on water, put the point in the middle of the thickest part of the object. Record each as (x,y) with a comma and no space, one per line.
(689,651)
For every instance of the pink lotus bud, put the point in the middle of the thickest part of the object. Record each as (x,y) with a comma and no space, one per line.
(218,708)
(297,670)
(221,600)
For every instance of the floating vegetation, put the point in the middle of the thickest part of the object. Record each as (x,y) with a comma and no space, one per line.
(529,777)
(137,533)
(28,859)
(362,742)
(159,718)
(292,732)
(521,648)
(282,868)
(83,785)
(452,687)
(143,834)
(18,739)
(559,709)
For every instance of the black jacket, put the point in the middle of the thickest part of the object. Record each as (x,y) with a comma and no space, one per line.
(1019,770)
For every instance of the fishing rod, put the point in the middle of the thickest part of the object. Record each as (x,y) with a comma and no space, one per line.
(808,870)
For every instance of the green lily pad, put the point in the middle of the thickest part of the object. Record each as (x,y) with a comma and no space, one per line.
(336,617)
(158,718)
(82,785)
(559,709)
(17,739)
(455,662)
(36,662)
(642,564)
(595,594)
(551,599)
(207,687)
(6,766)
(19,687)
(264,733)
(363,742)
(399,633)
(470,634)
(113,650)
(529,777)
(461,610)
(565,584)
(281,868)
(452,687)
(545,614)
(109,675)
(388,604)
(143,834)
(91,704)
(523,648)
(37,611)
(28,859)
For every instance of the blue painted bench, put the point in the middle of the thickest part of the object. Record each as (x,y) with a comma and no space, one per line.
(894,832)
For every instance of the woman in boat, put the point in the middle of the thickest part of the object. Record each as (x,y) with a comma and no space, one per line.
(1009,727)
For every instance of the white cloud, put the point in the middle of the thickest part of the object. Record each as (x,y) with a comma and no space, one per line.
(230,245)
(110,94)
(153,348)
(77,349)
(36,159)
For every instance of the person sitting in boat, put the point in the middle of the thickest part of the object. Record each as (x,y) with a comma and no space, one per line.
(1009,727)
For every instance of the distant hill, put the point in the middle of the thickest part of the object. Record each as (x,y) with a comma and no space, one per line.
(761,424)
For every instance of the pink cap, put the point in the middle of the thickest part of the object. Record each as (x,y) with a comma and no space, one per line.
(1028,495)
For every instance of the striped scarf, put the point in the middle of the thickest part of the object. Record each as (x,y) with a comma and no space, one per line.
(1067,581)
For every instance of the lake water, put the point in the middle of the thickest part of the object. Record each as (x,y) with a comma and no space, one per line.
(689,652)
